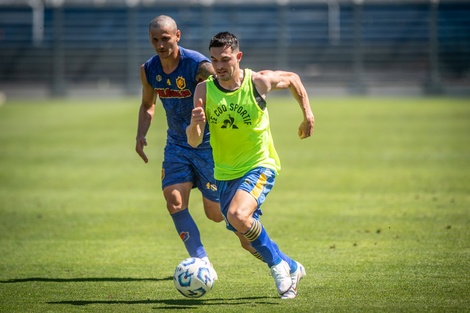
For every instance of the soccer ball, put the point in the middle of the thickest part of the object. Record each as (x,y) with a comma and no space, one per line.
(193,278)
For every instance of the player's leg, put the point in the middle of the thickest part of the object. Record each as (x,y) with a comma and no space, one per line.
(259,183)
(244,197)
(297,272)
(203,166)
(247,246)
(177,182)
(240,216)
(177,198)
(241,200)
(292,264)
(212,210)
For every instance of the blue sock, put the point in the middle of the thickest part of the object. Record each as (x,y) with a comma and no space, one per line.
(189,233)
(292,263)
(260,240)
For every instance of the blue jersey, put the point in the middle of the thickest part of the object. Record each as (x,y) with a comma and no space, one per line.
(176,91)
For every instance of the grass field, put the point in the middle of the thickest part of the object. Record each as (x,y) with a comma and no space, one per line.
(376,205)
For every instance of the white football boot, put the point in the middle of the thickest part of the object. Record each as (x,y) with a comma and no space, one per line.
(296,277)
(280,273)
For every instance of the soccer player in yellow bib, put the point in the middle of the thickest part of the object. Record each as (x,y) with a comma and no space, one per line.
(233,102)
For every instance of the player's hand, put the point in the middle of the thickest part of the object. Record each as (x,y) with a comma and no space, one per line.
(306,128)
(198,115)
(141,142)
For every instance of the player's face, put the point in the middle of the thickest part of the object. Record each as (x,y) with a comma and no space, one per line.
(225,62)
(165,41)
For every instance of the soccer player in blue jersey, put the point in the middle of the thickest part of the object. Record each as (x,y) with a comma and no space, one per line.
(172,75)
(233,102)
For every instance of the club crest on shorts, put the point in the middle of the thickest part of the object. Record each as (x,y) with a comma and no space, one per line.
(210,186)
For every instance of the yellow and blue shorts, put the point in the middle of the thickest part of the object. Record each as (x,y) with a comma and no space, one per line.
(258,182)
(186,164)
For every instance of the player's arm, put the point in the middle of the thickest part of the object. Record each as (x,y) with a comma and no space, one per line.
(205,70)
(146,112)
(195,130)
(266,81)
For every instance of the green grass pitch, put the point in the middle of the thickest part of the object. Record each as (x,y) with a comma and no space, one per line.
(376,205)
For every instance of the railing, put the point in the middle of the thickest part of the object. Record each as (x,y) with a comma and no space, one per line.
(353,44)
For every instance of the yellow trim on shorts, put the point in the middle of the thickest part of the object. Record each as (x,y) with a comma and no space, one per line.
(256,192)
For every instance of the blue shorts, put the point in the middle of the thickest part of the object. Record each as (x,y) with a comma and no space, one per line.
(258,182)
(186,164)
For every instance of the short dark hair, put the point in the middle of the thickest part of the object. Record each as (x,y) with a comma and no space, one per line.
(224,39)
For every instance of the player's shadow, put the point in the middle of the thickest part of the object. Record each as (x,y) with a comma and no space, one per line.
(168,304)
(85,279)
(178,304)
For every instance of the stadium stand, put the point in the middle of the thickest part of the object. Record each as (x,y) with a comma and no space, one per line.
(351,44)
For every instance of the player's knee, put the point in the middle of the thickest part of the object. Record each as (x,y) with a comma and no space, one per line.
(176,197)
(173,205)
(240,221)
(172,209)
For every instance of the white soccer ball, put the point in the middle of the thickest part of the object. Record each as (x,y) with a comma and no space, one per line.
(193,278)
